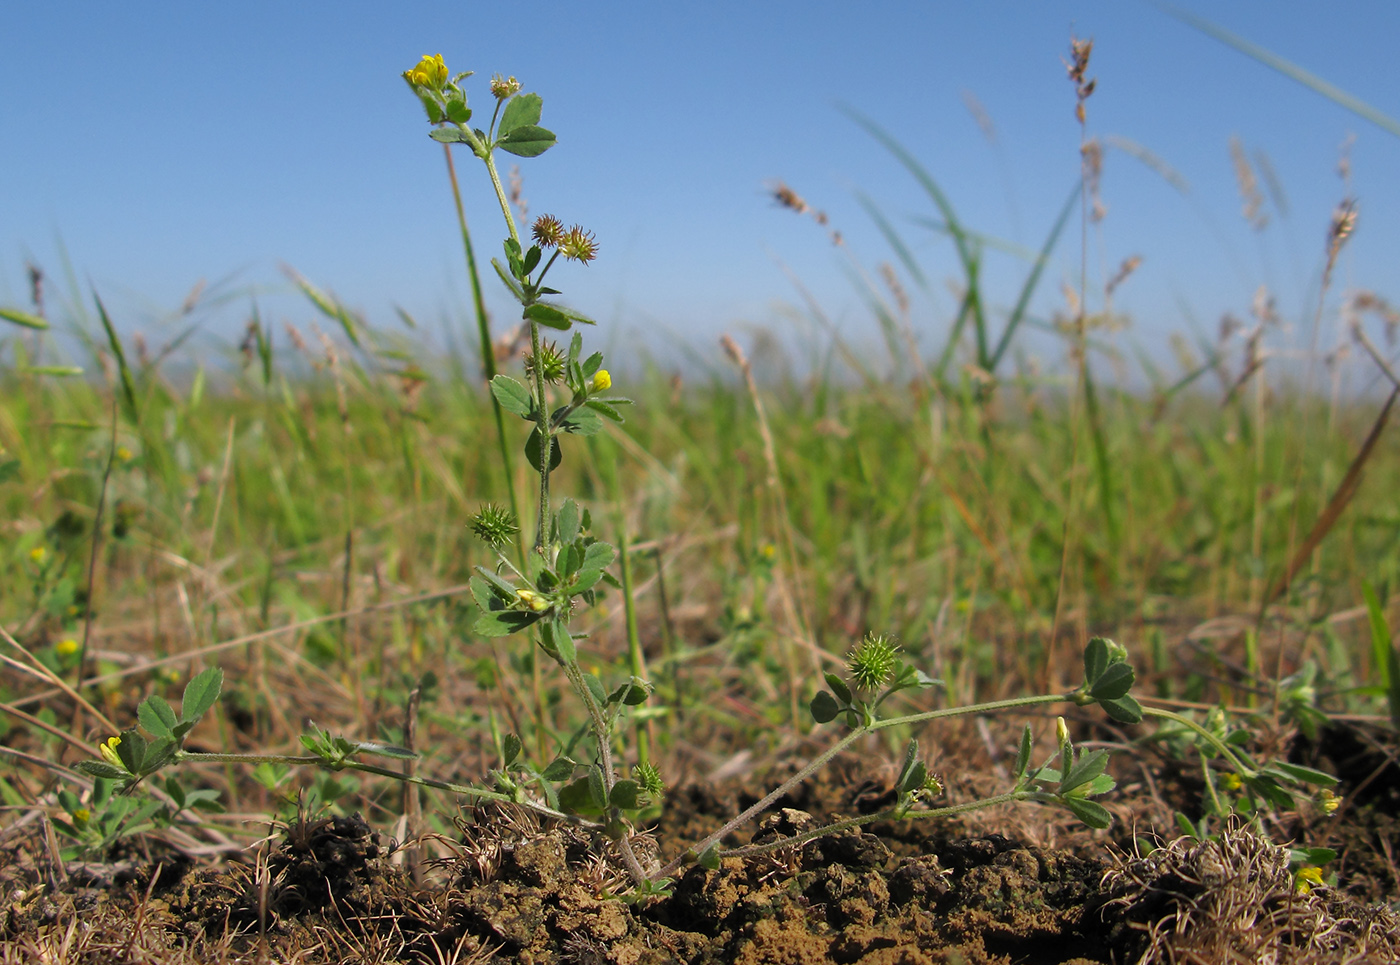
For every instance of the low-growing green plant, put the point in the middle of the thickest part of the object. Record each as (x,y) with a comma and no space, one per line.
(537,593)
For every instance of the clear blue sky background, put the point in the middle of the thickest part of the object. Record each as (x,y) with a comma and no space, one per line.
(161,143)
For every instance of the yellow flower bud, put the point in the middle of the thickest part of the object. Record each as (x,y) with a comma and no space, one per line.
(38,553)
(1231,782)
(109,752)
(1307,878)
(66,647)
(1327,802)
(81,817)
(533,600)
(602,381)
(429,72)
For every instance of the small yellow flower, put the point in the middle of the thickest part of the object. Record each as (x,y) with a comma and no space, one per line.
(124,454)
(109,752)
(1231,782)
(768,551)
(38,554)
(1327,802)
(1307,878)
(430,72)
(66,647)
(602,381)
(533,600)
(81,817)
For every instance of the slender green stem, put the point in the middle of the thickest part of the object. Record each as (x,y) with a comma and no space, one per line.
(595,715)
(889,814)
(820,760)
(294,760)
(546,432)
(635,658)
(1220,746)
(488,156)
(488,354)
(600,732)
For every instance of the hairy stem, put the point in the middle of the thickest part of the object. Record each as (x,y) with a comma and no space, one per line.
(466,790)
(820,761)
(889,814)
(488,355)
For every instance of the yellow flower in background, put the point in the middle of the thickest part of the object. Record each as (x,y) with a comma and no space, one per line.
(38,554)
(1231,782)
(124,454)
(109,752)
(602,381)
(81,817)
(430,72)
(1328,802)
(1306,879)
(66,647)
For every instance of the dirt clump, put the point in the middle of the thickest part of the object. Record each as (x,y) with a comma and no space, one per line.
(516,889)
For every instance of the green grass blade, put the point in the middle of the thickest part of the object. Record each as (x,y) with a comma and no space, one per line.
(1018,313)
(951,346)
(1289,69)
(1386,661)
(989,242)
(1103,466)
(892,237)
(123,370)
(23,318)
(926,181)
(328,305)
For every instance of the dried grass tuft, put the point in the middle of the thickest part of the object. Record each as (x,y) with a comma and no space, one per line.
(1235,900)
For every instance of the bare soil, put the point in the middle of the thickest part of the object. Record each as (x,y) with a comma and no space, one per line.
(1005,886)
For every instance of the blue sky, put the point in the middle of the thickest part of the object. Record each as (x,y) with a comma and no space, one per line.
(168,142)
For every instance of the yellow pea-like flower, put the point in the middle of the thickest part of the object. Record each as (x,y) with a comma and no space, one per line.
(109,752)
(429,72)
(533,600)
(602,381)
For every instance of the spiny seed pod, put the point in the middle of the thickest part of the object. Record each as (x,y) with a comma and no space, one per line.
(551,361)
(548,231)
(578,245)
(649,778)
(873,662)
(494,525)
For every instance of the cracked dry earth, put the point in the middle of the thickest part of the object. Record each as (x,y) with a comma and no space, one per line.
(513,890)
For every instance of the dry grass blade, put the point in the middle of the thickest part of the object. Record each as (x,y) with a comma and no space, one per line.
(1343,494)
